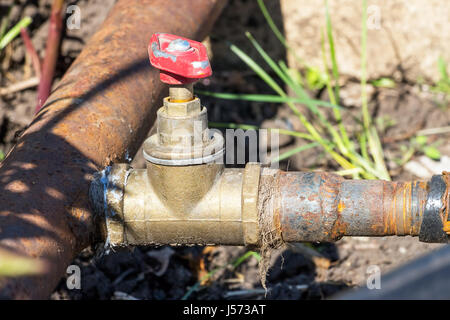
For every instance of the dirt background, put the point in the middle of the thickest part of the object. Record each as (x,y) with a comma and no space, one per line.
(172,273)
(403,29)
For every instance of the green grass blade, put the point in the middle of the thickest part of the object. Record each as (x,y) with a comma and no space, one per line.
(233,264)
(278,33)
(334,65)
(371,133)
(244,257)
(265,98)
(350,172)
(337,114)
(284,76)
(293,133)
(5,23)
(334,96)
(311,129)
(328,84)
(271,24)
(293,74)
(376,149)
(14,32)
(365,109)
(258,70)
(443,70)
(198,283)
(300,92)
(269,60)
(265,77)
(363,145)
(232,125)
(384,82)
(290,153)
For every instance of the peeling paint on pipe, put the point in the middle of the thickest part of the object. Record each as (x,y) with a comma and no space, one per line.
(104,105)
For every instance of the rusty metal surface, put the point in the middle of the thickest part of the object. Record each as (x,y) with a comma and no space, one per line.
(99,113)
(382,208)
(309,203)
(325,207)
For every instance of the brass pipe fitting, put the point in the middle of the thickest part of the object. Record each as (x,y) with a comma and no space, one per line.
(182,210)
(254,206)
(185,196)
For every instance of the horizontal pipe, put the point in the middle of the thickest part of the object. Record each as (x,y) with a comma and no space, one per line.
(99,113)
(326,207)
(291,206)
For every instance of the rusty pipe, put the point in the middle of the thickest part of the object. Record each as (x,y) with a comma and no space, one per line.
(100,111)
(288,206)
(326,207)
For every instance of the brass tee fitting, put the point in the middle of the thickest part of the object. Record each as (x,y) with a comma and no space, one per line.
(143,212)
(185,196)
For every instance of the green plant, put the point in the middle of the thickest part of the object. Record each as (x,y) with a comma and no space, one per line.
(384,83)
(7,37)
(384,122)
(236,263)
(367,160)
(419,143)
(443,84)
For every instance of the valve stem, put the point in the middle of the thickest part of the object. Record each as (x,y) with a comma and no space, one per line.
(181,92)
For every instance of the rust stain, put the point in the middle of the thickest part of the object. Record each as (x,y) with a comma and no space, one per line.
(339,230)
(403,204)
(320,207)
(341,206)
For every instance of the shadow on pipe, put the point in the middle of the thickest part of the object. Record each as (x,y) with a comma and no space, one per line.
(101,110)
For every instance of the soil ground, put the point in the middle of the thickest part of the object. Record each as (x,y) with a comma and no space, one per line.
(173,273)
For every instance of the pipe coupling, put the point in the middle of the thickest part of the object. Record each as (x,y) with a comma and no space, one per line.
(139,212)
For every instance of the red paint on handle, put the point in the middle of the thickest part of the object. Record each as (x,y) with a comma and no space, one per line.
(179,60)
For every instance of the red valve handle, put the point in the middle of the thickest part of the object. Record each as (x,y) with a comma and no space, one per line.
(180,60)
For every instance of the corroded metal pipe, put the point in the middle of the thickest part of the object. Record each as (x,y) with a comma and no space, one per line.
(288,206)
(326,207)
(100,112)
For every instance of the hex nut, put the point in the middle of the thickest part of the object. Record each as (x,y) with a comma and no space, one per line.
(182,109)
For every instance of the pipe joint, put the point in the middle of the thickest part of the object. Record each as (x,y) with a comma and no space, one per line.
(178,205)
